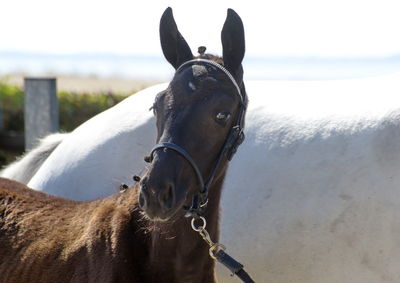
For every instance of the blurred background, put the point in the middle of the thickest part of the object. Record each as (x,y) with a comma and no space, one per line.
(101,51)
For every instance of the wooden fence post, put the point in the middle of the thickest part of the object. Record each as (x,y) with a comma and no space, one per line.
(41,109)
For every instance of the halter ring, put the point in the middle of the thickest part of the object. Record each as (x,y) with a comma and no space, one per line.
(201,227)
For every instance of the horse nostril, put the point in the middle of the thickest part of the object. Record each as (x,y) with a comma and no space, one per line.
(167,198)
(142,201)
(142,196)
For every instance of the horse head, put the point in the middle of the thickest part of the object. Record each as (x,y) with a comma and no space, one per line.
(199,121)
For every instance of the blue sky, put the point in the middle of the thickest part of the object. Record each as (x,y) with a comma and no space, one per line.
(340,28)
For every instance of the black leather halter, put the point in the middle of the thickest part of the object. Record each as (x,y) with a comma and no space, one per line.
(232,142)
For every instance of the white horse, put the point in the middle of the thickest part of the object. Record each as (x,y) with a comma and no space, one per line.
(313,194)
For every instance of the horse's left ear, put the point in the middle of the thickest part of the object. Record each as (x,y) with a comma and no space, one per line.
(233,44)
(174,46)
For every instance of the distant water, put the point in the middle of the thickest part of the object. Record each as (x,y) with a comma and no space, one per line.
(139,67)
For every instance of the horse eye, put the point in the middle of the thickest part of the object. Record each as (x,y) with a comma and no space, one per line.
(223,116)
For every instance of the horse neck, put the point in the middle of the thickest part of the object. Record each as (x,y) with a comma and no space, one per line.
(178,253)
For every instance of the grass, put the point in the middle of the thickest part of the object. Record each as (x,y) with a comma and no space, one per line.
(12,105)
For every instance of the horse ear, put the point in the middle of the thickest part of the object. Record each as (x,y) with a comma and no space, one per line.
(173,45)
(233,44)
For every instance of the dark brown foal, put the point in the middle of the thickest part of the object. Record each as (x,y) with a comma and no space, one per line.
(142,234)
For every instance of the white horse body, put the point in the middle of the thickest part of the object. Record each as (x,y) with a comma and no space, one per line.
(313,194)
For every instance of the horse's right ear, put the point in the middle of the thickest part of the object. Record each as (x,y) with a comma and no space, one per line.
(173,45)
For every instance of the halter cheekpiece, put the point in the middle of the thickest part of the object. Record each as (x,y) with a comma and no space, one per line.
(232,142)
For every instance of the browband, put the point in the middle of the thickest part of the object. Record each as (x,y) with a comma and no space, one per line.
(220,67)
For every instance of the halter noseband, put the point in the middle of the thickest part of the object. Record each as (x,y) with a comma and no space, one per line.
(232,142)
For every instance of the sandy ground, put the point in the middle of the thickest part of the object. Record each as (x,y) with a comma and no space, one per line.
(87,84)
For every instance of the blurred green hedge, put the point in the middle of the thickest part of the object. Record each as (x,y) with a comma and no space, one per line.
(75,108)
